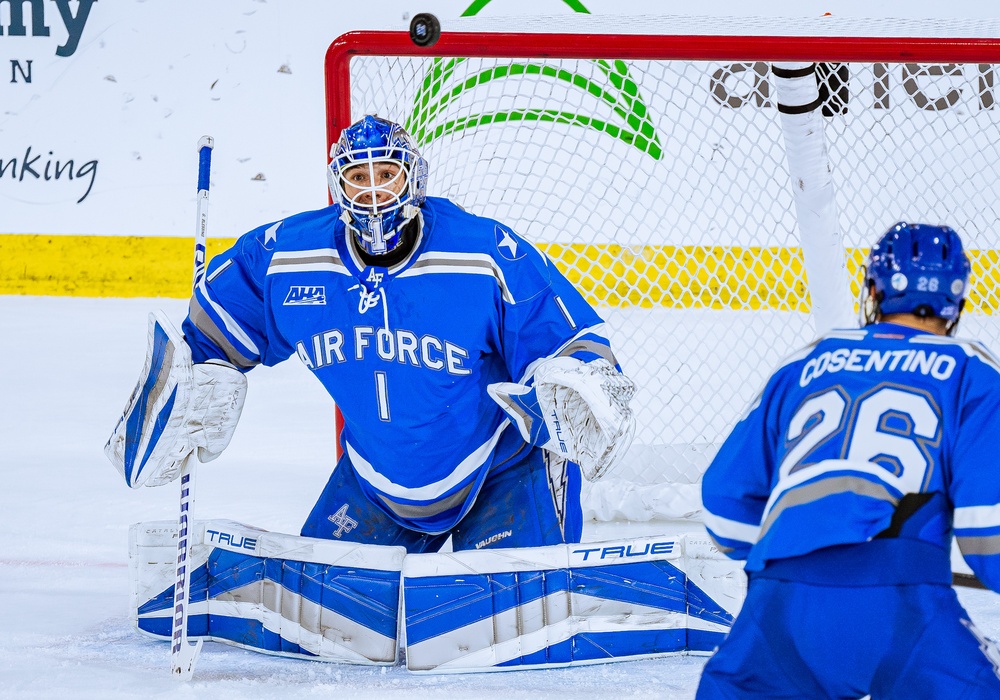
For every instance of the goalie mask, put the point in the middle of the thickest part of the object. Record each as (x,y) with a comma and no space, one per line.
(915,269)
(379,179)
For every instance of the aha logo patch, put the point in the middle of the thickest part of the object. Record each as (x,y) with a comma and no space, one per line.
(303,295)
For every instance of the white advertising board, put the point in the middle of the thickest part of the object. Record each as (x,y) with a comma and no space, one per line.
(104,102)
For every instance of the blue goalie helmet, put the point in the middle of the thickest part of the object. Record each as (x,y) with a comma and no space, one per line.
(379,179)
(916,269)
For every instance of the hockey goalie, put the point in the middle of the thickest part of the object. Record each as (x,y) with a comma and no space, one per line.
(478,388)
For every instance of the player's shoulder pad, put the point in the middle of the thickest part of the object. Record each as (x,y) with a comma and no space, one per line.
(979,355)
(521,268)
(305,231)
(832,341)
(788,369)
(791,364)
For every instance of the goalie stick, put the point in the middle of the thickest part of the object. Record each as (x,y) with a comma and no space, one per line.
(184,656)
(967,580)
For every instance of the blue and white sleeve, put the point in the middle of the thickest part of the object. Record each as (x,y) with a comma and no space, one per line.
(545,316)
(736,486)
(226,316)
(975,479)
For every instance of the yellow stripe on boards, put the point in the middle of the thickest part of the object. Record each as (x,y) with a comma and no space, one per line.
(685,277)
(983,297)
(100,266)
(678,277)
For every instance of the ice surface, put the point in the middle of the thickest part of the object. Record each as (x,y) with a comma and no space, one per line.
(67,366)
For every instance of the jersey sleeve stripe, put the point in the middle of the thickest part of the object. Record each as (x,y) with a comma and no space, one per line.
(565,312)
(232,327)
(731,529)
(827,486)
(975,517)
(597,331)
(204,322)
(219,270)
(592,347)
(982,546)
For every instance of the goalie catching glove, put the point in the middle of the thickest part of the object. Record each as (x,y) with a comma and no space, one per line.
(578,410)
(176,408)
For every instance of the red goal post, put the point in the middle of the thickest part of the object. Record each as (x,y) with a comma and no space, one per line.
(710,252)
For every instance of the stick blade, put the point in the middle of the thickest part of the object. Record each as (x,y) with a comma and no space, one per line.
(182,662)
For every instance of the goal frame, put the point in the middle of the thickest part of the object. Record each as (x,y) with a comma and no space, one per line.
(801,47)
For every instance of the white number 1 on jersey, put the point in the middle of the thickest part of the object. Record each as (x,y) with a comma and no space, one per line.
(382,393)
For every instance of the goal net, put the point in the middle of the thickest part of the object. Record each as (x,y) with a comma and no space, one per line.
(659,174)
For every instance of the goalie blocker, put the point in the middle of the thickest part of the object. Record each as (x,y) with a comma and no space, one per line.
(465,611)
(176,409)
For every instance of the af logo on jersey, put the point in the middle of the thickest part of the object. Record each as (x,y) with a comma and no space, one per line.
(343,521)
(302,295)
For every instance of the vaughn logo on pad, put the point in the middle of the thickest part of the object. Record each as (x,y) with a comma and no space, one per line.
(302,295)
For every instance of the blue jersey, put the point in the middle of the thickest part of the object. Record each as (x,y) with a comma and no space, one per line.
(406,351)
(879,432)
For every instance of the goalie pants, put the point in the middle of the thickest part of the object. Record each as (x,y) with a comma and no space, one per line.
(532,503)
(805,640)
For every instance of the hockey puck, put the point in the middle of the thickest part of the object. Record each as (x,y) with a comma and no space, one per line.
(425,29)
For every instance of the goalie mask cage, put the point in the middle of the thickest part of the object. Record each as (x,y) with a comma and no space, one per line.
(659,174)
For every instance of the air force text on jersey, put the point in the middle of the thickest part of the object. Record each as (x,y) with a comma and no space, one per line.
(389,345)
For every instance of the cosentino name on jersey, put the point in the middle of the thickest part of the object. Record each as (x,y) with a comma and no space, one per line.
(395,345)
(843,360)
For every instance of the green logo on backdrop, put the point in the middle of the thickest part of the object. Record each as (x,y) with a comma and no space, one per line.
(476,6)
(441,87)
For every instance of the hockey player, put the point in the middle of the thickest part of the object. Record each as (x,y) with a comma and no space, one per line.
(474,380)
(842,485)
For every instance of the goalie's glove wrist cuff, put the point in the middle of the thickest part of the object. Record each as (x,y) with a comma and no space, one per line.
(520,403)
(577,410)
(218,392)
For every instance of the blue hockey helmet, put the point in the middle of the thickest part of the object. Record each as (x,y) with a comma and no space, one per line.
(916,269)
(377,201)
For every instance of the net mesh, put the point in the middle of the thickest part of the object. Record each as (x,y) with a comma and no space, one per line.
(660,188)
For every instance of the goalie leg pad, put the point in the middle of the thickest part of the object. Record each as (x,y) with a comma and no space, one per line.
(279,594)
(565,605)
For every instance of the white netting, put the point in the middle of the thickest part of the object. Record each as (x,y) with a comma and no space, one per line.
(661,189)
